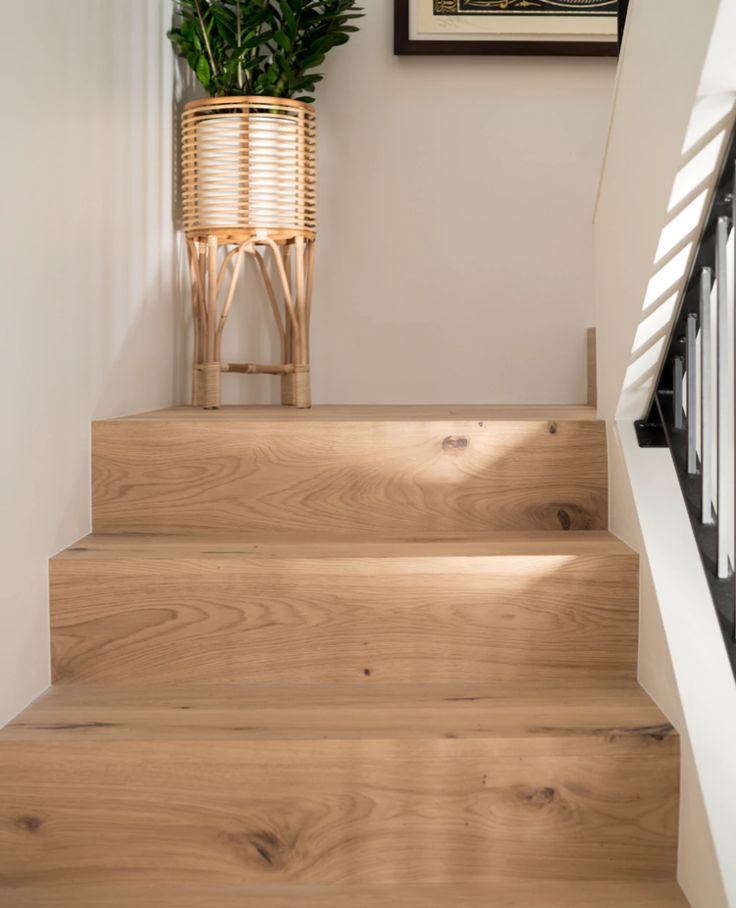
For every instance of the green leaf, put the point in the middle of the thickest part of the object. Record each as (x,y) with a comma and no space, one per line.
(263,85)
(289,18)
(191,34)
(257,40)
(204,74)
(283,40)
(312,62)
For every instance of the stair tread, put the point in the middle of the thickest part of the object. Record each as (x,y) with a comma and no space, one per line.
(254,544)
(614,710)
(377,413)
(540,894)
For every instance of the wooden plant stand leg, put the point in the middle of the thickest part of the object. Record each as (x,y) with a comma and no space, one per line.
(207,370)
(211,369)
(208,282)
(197,259)
(294,266)
(296,388)
(296,287)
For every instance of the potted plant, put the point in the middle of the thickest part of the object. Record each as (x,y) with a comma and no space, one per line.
(249,165)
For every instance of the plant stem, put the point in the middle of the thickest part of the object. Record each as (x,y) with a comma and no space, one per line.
(240,59)
(215,72)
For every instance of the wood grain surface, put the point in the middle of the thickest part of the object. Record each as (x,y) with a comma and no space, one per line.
(163,609)
(305,790)
(288,711)
(379,413)
(501,894)
(376,479)
(364,656)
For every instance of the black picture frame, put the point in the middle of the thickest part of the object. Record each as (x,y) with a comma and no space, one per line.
(404,45)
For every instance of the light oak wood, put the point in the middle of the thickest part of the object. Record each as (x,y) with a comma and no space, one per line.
(518,710)
(510,894)
(292,784)
(338,649)
(375,479)
(278,544)
(381,413)
(202,609)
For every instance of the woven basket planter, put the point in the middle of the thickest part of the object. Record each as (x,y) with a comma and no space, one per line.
(249,183)
(249,165)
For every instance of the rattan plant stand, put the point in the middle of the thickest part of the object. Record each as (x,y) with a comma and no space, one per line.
(249,189)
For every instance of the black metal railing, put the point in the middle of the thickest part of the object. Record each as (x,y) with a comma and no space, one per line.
(693,411)
(623,9)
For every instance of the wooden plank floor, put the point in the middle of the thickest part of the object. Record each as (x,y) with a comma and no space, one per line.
(453,895)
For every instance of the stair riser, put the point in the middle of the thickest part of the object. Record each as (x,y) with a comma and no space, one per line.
(424,619)
(383,479)
(371,811)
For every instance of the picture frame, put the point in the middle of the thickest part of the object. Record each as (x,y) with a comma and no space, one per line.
(456,27)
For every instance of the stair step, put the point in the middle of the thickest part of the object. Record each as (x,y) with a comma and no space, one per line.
(329,784)
(377,472)
(379,413)
(241,608)
(454,895)
(282,711)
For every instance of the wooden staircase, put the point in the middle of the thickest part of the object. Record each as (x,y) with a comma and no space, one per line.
(362,657)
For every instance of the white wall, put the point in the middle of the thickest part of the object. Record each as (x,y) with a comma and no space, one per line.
(455,257)
(86,271)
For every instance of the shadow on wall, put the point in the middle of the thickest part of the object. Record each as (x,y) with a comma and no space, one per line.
(677,247)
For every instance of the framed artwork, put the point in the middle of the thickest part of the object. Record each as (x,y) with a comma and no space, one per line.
(566,27)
